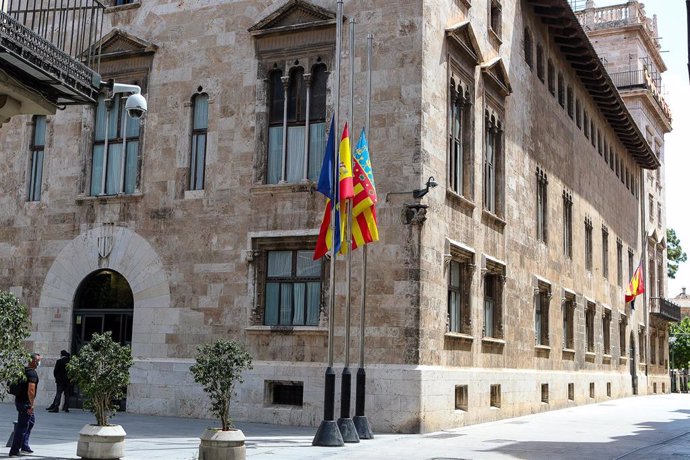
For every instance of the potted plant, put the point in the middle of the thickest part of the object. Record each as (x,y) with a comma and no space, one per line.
(218,368)
(101,370)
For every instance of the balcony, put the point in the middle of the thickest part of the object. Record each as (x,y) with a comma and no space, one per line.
(641,79)
(47,54)
(624,14)
(664,309)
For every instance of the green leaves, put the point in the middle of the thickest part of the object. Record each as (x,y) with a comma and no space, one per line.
(674,253)
(15,327)
(101,369)
(680,344)
(218,367)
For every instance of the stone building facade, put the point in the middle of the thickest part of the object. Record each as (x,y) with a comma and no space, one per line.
(499,293)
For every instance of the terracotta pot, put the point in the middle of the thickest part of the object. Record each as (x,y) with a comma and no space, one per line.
(222,445)
(101,442)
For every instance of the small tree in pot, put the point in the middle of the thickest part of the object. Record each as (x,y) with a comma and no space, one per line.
(101,370)
(218,368)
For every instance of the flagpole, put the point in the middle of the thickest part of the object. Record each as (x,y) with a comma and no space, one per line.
(645,269)
(328,434)
(345,423)
(361,422)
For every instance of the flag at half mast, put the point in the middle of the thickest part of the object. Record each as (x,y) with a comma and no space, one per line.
(364,225)
(636,286)
(335,193)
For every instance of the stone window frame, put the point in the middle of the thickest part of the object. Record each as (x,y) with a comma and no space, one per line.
(568,224)
(606,329)
(631,259)
(542,302)
(585,123)
(528,45)
(619,261)
(622,334)
(258,256)
(540,62)
(462,258)
(578,113)
(495,20)
(542,183)
(494,163)
(196,134)
(570,106)
(652,346)
(568,307)
(605,251)
(590,316)
(37,149)
(588,244)
(650,201)
(551,77)
(493,282)
(561,90)
(642,344)
(592,133)
(461,145)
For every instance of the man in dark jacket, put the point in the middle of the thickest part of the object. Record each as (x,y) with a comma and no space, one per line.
(62,382)
(24,402)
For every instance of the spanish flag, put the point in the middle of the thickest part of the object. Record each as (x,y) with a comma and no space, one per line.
(335,193)
(636,286)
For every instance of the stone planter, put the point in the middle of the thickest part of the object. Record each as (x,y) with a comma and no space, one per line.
(101,442)
(222,445)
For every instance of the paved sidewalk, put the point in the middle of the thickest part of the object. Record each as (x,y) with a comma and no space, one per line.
(646,427)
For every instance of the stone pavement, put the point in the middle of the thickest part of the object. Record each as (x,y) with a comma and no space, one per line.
(645,427)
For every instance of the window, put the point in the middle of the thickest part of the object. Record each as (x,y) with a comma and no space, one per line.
(493,164)
(608,389)
(459,280)
(296,124)
(292,288)
(197,163)
(652,347)
(38,140)
(495,395)
(115,160)
(545,393)
(528,47)
(662,342)
(570,104)
(592,133)
(461,397)
(541,314)
(642,344)
(495,17)
(606,330)
(540,62)
(122,2)
(542,182)
(591,389)
(619,262)
(571,392)
(588,244)
(622,326)
(460,158)
(561,90)
(493,305)
(600,144)
(605,251)
(568,224)
(578,114)
(551,77)
(284,393)
(589,326)
(630,263)
(568,307)
(658,215)
(585,123)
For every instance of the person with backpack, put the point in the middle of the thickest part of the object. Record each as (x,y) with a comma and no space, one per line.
(24,402)
(62,382)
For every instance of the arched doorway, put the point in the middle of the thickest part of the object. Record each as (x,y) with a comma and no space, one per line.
(633,364)
(103,302)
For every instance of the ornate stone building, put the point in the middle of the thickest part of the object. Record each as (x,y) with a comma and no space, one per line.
(499,293)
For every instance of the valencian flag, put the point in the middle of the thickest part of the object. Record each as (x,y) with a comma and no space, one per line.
(364,227)
(636,286)
(334,194)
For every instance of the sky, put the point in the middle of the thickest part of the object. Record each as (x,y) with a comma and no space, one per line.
(672,27)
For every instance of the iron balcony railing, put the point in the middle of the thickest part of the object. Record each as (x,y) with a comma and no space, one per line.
(641,79)
(54,40)
(664,309)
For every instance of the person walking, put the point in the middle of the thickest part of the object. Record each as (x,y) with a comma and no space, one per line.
(62,382)
(24,402)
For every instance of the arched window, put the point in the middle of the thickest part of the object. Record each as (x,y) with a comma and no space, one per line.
(197,164)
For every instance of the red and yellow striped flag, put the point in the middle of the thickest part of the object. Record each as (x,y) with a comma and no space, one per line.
(636,286)
(364,225)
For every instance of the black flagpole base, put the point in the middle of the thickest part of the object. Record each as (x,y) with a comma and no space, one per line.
(348,430)
(363,427)
(328,435)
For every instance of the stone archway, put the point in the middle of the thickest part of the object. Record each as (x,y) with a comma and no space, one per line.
(115,248)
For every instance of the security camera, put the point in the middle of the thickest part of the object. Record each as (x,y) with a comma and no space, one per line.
(136,106)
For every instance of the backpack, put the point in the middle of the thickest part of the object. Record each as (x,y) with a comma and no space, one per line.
(14,388)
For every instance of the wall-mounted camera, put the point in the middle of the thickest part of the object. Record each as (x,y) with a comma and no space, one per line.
(136,105)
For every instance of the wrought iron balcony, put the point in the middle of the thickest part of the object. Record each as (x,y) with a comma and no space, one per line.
(641,79)
(664,309)
(47,47)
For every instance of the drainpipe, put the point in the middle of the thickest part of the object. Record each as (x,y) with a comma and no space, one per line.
(687,7)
